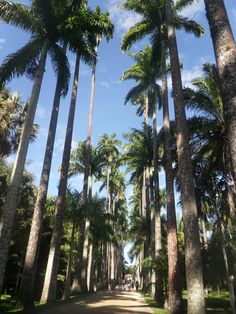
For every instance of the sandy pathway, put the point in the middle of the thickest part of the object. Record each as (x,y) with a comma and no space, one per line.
(105,303)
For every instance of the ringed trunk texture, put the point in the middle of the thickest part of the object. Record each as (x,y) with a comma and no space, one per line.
(28,276)
(50,281)
(225,54)
(193,263)
(174,292)
(9,208)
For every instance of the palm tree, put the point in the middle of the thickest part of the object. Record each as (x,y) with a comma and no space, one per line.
(153,26)
(31,256)
(146,72)
(44,37)
(107,32)
(77,165)
(108,147)
(98,25)
(225,54)
(174,296)
(196,303)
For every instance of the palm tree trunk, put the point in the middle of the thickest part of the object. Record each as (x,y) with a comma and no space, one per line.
(66,293)
(204,232)
(90,269)
(76,287)
(84,285)
(196,301)
(174,302)
(84,265)
(159,295)
(28,276)
(225,54)
(9,208)
(50,282)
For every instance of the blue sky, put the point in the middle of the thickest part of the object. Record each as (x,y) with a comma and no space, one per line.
(110,114)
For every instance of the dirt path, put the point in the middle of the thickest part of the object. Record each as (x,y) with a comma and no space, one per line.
(105,303)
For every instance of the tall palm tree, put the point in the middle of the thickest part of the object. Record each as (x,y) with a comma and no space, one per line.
(108,147)
(174,297)
(146,72)
(44,37)
(196,302)
(100,25)
(26,295)
(225,54)
(153,26)
(77,165)
(107,32)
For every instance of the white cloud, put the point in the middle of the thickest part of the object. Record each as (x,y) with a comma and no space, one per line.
(190,74)
(194,10)
(122,19)
(74,144)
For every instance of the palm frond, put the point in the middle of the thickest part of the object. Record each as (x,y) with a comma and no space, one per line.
(134,34)
(188,25)
(45,13)
(61,66)
(16,63)
(182,4)
(18,14)
(134,92)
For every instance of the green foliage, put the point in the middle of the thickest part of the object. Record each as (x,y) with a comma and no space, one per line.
(12,115)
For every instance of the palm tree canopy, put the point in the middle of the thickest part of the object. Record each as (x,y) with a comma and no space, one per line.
(145,72)
(42,23)
(152,23)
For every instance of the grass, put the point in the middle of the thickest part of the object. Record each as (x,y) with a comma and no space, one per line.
(9,305)
(153,306)
(215,303)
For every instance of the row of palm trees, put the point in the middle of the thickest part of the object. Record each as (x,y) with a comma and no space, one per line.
(53,26)
(56,26)
(159,20)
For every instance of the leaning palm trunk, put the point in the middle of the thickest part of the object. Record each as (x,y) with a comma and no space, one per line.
(174,302)
(9,208)
(28,276)
(225,53)
(193,263)
(159,295)
(50,282)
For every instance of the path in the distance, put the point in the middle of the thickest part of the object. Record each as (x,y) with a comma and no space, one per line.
(116,302)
